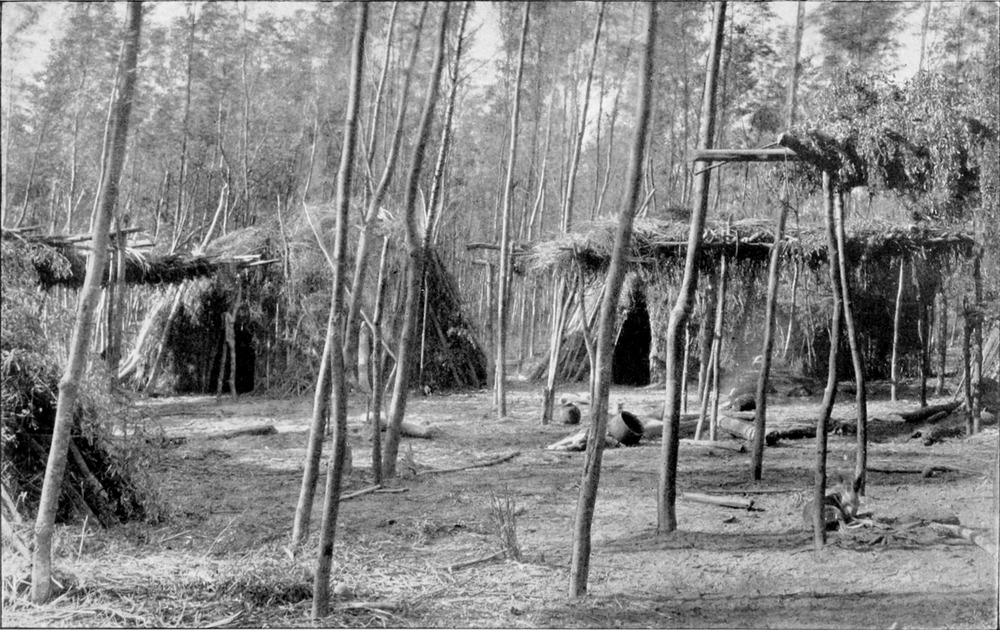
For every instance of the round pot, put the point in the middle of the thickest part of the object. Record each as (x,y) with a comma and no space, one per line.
(626,428)
(569,414)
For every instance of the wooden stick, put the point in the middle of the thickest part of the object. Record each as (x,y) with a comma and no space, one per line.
(264,429)
(739,448)
(965,533)
(376,489)
(471,563)
(492,462)
(730,502)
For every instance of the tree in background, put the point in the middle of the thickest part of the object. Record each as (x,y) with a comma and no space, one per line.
(860,34)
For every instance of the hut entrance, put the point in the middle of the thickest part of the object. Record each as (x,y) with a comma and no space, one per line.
(630,365)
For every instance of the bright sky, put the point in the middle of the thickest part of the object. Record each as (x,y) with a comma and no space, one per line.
(31,55)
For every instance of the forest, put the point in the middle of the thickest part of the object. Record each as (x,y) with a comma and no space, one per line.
(500,314)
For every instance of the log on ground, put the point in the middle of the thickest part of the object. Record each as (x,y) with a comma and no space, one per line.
(262,429)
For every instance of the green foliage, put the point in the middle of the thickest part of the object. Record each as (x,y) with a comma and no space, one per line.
(859,34)
(920,140)
(105,425)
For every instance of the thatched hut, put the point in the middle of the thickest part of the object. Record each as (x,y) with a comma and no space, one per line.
(279,315)
(656,257)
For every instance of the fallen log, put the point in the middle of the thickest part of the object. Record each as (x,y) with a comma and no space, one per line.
(579,398)
(578,442)
(798,432)
(920,415)
(728,445)
(745,430)
(926,472)
(729,502)
(422,430)
(263,429)
(652,428)
(490,462)
(965,533)
(458,566)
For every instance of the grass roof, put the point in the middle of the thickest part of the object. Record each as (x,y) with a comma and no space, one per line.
(62,261)
(658,244)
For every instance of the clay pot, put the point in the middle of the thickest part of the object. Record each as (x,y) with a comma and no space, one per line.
(626,428)
(569,414)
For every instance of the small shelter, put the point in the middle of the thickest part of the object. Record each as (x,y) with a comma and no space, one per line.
(656,257)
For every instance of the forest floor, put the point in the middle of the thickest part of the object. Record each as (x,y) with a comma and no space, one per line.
(221,559)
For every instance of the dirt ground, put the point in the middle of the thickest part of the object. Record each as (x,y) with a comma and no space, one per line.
(222,557)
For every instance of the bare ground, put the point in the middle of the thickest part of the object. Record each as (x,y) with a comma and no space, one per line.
(222,557)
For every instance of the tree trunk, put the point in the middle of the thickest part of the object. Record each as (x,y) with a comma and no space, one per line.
(667,496)
(896,320)
(967,326)
(774,269)
(378,367)
(830,394)
(861,461)
(580,568)
(714,338)
(388,172)
(69,385)
(508,193)
(924,23)
(942,340)
(334,332)
(792,308)
(415,262)
(923,329)
(976,372)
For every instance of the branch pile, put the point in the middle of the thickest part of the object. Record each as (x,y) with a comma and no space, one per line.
(61,260)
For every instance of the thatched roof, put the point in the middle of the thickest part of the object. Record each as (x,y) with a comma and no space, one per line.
(657,244)
(66,262)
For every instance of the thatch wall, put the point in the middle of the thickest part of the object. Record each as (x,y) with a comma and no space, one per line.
(66,262)
(656,260)
(660,246)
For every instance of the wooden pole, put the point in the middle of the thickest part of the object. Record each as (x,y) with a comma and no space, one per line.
(580,563)
(830,394)
(896,319)
(942,339)
(667,491)
(335,332)
(861,395)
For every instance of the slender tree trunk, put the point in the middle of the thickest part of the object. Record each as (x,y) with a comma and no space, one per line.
(792,308)
(967,326)
(338,389)
(667,496)
(713,332)
(415,262)
(69,385)
(378,367)
(508,194)
(861,461)
(580,568)
(388,172)
(923,330)
(896,321)
(924,24)
(720,312)
(976,373)
(942,340)
(774,268)
(830,394)
(796,68)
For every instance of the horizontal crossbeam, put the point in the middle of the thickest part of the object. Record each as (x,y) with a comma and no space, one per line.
(744,155)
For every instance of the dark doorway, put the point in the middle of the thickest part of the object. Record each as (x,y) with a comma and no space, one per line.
(631,361)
